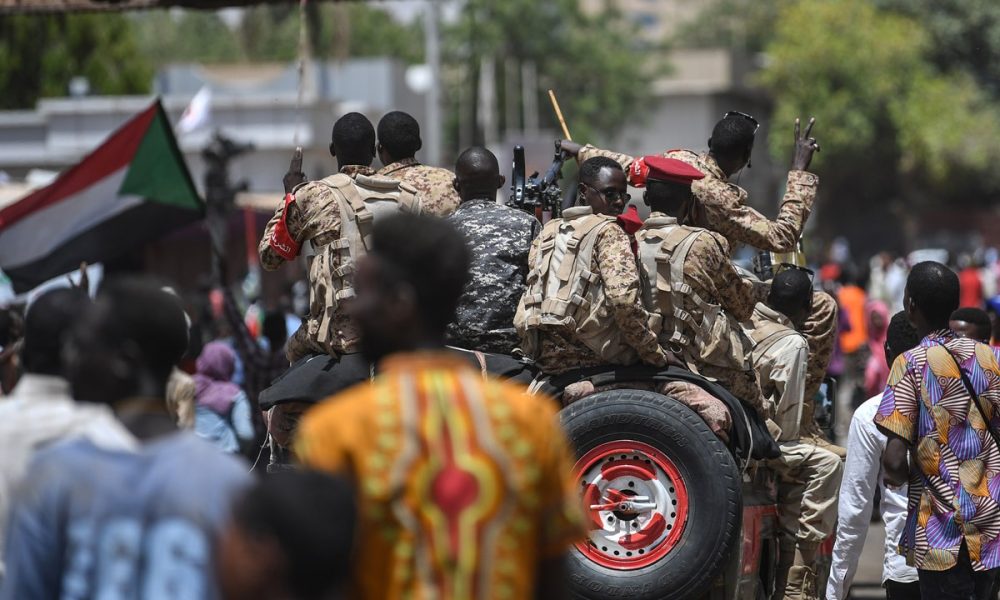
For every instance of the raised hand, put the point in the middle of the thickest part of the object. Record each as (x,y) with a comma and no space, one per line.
(294,176)
(805,146)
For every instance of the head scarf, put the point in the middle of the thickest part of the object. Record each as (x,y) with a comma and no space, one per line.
(214,388)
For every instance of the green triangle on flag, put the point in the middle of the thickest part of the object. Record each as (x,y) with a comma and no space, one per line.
(157,171)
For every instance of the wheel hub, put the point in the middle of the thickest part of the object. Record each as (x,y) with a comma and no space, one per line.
(636,503)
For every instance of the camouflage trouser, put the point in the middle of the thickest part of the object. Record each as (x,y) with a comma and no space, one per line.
(301,344)
(808,482)
(820,331)
(742,384)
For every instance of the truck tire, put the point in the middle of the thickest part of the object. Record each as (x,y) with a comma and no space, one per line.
(662,497)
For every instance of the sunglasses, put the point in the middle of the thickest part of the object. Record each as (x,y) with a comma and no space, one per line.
(612,195)
(756,126)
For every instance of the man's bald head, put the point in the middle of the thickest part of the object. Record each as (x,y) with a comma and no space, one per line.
(477,174)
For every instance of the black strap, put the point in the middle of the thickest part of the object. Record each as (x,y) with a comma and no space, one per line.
(975,396)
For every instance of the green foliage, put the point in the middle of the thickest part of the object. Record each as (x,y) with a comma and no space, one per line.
(185,36)
(271,33)
(592,62)
(39,54)
(864,73)
(746,25)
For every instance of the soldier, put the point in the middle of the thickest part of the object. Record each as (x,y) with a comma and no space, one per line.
(398,142)
(693,292)
(315,212)
(808,475)
(725,211)
(499,238)
(582,305)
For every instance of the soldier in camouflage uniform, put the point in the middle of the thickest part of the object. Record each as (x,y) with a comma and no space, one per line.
(808,475)
(499,238)
(687,280)
(725,211)
(398,142)
(613,266)
(312,214)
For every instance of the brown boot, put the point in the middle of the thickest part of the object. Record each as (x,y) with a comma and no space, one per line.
(801,583)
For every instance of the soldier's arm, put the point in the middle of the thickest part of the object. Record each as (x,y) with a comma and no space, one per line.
(736,294)
(590,151)
(622,289)
(726,211)
(292,224)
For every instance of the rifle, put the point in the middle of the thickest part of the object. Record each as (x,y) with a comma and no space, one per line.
(534,194)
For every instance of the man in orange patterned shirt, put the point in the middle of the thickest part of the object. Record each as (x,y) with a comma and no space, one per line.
(464,484)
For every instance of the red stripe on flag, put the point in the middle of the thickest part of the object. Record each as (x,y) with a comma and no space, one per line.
(116,152)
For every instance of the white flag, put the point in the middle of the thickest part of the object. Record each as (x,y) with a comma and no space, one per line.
(198,113)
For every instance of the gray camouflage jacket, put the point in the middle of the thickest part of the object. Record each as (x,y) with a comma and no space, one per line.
(499,239)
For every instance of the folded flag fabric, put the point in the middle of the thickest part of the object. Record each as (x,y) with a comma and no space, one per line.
(133,189)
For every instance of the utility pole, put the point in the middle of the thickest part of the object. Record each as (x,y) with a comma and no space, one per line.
(432,48)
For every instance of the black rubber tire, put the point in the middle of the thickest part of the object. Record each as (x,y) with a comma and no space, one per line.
(708,471)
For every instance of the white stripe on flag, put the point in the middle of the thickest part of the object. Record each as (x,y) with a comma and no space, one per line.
(38,234)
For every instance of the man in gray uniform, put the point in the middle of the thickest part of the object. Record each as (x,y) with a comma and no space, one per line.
(499,239)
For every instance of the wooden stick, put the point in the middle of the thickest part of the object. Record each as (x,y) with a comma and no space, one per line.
(559,115)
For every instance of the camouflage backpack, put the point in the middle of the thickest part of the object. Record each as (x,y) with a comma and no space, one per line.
(564,295)
(711,337)
(362,201)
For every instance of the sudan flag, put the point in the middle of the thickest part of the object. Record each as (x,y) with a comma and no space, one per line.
(131,190)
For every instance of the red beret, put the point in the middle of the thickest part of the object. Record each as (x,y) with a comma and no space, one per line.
(671,169)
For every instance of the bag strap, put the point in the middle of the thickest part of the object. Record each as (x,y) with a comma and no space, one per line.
(975,396)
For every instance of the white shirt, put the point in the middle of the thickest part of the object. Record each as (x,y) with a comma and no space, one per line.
(38,412)
(863,471)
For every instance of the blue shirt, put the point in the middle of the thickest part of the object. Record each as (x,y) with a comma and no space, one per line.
(93,523)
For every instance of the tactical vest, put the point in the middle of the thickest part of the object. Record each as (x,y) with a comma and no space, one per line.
(563,294)
(695,328)
(362,201)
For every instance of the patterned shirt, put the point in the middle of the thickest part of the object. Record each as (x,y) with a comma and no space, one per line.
(433,183)
(464,483)
(499,238)
(954,486)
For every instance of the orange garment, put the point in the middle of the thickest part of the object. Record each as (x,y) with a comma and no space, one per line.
(852,301)
(464,484)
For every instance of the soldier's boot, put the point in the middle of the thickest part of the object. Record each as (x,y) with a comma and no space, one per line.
(801,582)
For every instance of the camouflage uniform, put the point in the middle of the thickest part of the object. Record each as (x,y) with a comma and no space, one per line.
(711,275)
(726,212)
(433,183)
(614,262)
(499,238)
(313,217)
(808,475)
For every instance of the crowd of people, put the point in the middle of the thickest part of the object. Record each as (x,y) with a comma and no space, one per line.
(410,419)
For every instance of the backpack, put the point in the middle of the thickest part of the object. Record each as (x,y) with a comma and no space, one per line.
(564,295)
(715,338)
(362,201)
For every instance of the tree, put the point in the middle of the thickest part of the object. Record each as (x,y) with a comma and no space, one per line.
(590,60)
(185,36)
(897,133)
(40,54)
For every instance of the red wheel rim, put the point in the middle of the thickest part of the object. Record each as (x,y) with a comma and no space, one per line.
(636,504)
